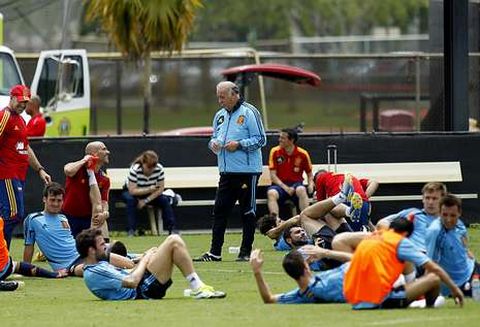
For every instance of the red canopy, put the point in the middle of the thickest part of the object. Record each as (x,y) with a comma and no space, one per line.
(285,72)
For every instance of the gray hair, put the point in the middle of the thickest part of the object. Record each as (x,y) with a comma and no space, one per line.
(227,85)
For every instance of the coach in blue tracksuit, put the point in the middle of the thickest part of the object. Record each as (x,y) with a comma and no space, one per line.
(238,136)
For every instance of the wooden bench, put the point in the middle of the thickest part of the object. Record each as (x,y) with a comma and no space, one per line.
(178,178)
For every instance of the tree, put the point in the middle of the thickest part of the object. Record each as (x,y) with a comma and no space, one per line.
(138,27)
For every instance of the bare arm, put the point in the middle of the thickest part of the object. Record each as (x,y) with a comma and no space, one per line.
(256,262)
(28,253)
(348,242)
(134,190)
(35,164)
(317,253)
(120,261)
(457,294)
(71,168)
(133,279)
(311,184)
(275,232)
(372,187)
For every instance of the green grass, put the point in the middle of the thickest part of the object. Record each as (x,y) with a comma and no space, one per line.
(67,302)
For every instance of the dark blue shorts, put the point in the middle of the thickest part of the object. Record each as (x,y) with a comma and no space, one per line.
(357,225)
(151,288)
(11,199)
(283,196)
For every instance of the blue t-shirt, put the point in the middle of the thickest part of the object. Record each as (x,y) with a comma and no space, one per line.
(446,248)
(52,234)
(408,251)
(421,222)
(105,282)
(324,287)
(281,244)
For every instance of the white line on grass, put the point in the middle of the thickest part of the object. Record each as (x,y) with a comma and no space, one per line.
(408,320)
(238,271)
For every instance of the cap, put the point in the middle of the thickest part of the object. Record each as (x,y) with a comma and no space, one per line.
(21,92)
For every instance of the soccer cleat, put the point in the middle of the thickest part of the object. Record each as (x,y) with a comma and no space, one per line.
(356,204)
(207,257)
(40,257)
(91,162)
(10,286)
(207,292)
(347,187)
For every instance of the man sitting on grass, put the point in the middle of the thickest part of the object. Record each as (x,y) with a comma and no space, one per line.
(151,277)
(50,230)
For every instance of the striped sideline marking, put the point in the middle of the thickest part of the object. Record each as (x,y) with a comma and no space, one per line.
(238,271)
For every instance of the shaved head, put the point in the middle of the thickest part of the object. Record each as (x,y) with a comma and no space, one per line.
(93,147)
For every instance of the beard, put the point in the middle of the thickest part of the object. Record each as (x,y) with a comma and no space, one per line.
(102,257)
(299,243)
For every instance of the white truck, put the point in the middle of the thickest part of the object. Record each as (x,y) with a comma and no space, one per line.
(62,80)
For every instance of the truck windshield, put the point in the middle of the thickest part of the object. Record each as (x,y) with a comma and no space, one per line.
(9,74)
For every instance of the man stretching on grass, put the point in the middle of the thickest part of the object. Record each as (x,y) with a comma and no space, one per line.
(358,282)
(151,277)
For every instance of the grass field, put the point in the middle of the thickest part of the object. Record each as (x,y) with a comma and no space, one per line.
(67,302)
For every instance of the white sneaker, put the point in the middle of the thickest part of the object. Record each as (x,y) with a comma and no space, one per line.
(418,304)
(439,301)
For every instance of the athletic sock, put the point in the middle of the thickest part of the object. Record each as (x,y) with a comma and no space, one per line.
(194,280)
(27,269)
(92,180)
(338,198)
(344,227)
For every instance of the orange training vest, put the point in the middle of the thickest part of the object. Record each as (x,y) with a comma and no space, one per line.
(373,269)
(3,248)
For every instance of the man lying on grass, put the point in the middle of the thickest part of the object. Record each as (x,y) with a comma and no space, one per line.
(368,281)
(150,279)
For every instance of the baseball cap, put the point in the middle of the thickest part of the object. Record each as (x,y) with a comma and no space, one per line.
(21,92)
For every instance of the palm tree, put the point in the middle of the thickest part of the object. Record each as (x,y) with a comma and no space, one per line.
(138,27)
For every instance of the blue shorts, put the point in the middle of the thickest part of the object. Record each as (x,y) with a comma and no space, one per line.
(282,195)
(11,199)
(151,288)
(7,270)
(11,205)
(396,299)
(357,225)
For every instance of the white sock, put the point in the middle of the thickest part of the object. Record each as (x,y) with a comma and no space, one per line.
(348,212)
(338,198)
(194,280)
(92,180)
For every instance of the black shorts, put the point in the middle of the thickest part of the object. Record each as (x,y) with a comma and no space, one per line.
(324,237)
(397,299)
(151,288)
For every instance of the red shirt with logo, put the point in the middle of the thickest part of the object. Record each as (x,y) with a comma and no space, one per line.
(13,146)
(290,168)
(329,184)
(36,126)
(77,198)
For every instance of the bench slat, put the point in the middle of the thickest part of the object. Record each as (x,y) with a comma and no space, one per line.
(384,173)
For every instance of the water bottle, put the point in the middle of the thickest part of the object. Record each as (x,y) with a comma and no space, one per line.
(476,288)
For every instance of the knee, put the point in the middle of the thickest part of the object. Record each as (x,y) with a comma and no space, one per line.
(175,240)
(301,192)
(434,279)
(272,195)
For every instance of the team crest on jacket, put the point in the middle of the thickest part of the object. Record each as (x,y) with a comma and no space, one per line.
(220,120)
(241,120)
(280,160)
